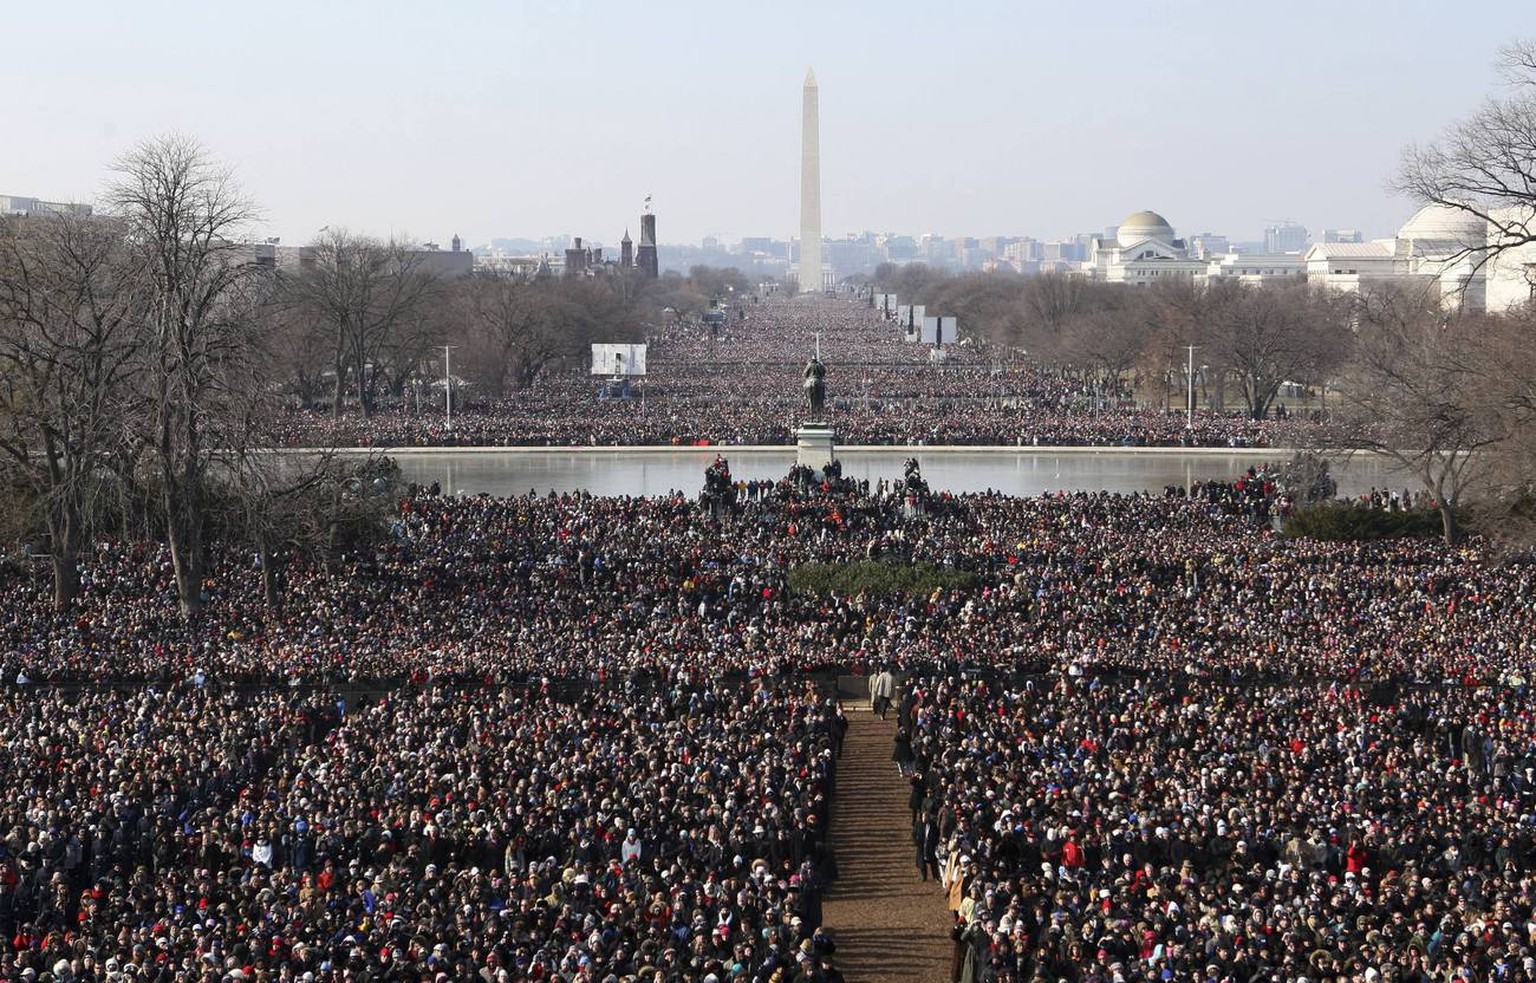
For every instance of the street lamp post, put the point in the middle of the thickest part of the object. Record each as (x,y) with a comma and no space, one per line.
(448,385)
(1189,403)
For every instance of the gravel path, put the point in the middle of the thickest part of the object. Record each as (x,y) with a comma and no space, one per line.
(888,923)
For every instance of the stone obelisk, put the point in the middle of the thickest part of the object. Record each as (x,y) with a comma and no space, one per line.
(815,441)
(810,188)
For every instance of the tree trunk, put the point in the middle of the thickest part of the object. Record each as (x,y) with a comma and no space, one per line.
(66,580)
(527,371)
(271,584)
(340,391)
(363,385)
(64,530)
(184,536)
(1449,523)
(66,577)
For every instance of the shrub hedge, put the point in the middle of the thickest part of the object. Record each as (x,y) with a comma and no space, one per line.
(877,579)
(1346,521)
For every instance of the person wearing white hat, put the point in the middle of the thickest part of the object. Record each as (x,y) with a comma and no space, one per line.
(631,849)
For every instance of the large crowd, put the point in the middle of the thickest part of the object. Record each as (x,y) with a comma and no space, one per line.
(740,385)
(665,834)
(580,738)
(1123,830)
(490,590)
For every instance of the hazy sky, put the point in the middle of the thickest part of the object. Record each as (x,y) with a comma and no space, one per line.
(535,118)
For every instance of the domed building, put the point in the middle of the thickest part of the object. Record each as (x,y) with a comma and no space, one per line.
(1143,250)
(1444,229)
(1511,275)
(1143,225)
(1433,249)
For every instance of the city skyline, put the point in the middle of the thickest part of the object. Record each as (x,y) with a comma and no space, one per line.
(491,120)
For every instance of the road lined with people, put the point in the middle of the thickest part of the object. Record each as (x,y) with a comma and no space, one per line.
(742,387)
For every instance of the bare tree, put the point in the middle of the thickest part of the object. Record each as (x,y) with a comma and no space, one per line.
(301,352)
(718,283)
(1105,344)
(589,310)
(1504,507)
(510,331)
(1485,165)
(670,292)
(316,506)
(183,217)
(1510,344)
(415,340)
(366,296)
(1175,314)
(1418,392)
(915,283)
(1266,336)
(988,306)
(1050,300)
(67,302)
(281,505)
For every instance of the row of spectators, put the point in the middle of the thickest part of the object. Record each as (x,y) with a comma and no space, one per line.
(488,590)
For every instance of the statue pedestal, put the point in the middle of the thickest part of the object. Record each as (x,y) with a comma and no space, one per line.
(814,445)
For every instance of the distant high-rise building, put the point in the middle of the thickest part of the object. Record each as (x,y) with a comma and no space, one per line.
(851,255)
(1072,250)
(810,185)
(1342,235)
(1022,251)
(1286,237)
(1204,245)
(899,248)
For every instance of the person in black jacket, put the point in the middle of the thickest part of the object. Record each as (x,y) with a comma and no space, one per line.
(925,839)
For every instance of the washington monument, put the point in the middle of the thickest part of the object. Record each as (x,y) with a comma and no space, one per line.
(810,189)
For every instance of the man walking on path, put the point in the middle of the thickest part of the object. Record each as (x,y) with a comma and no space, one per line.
(839,729)
(882,689)
(925,837)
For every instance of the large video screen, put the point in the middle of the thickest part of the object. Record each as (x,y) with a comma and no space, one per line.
(618,360)
(940,331)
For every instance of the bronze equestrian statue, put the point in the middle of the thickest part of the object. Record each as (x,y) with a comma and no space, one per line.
(816,385)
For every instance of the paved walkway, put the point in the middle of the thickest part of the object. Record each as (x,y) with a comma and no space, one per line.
(888,923)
